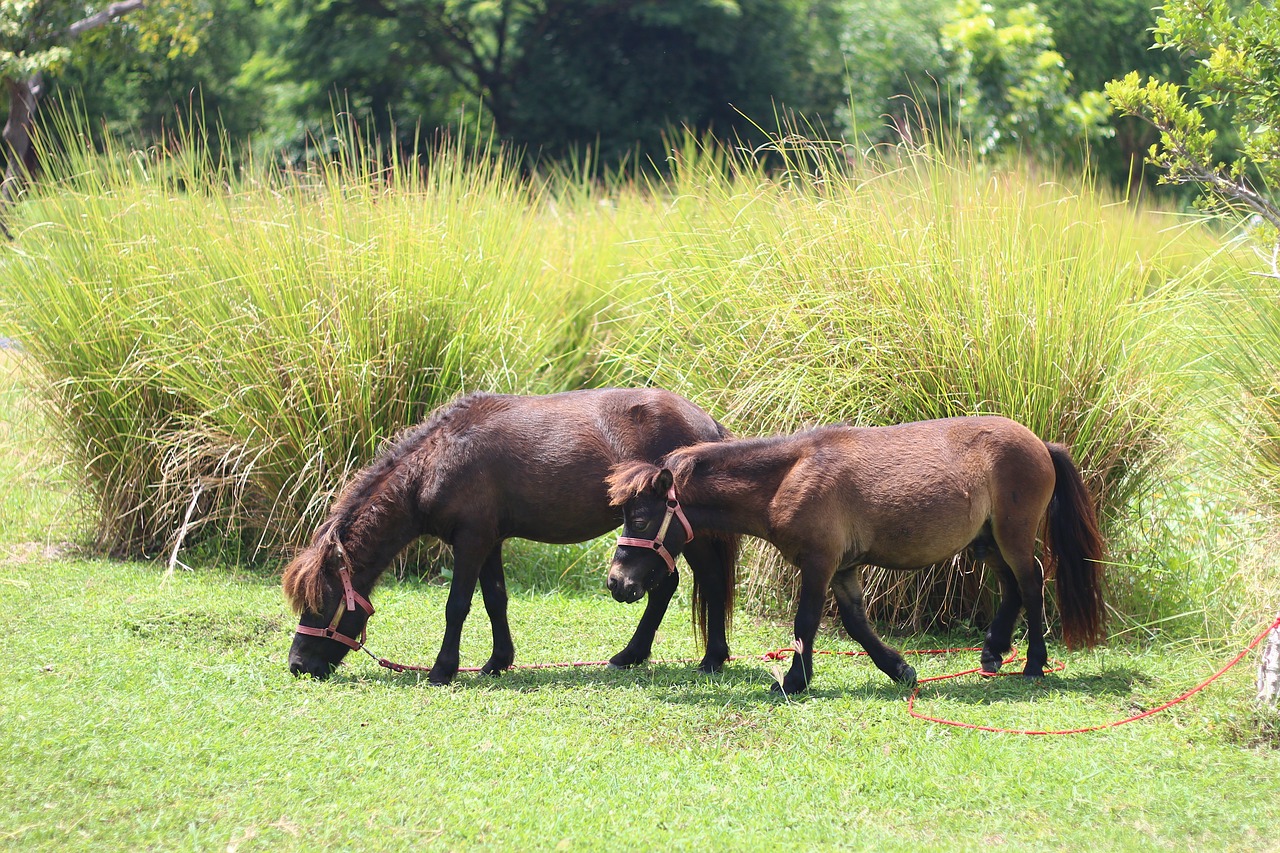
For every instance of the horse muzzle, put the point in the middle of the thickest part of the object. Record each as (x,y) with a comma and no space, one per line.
(623,587)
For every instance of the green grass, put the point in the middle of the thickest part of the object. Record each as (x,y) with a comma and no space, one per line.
(145,713)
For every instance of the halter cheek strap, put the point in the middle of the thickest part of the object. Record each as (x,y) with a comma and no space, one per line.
(656,543)
(350,601)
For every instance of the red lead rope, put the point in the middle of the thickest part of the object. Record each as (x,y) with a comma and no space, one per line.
(1111,725)
(781,654)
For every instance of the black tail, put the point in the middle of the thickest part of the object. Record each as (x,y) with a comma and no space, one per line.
(726,547)
(1078,550)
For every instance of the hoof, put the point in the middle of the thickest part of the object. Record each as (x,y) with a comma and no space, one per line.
(494,669)
(1036,674)
(991,666)
(710,667)
(906,675)
(625,660)
(441,677)
(788,687)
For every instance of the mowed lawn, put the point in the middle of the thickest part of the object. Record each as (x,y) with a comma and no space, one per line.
(140,712)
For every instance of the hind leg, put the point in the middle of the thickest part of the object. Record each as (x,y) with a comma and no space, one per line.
(1020,557)
(493,589)
(639,648)
(847,586)
(707,559)
(999,637)
(1031,585)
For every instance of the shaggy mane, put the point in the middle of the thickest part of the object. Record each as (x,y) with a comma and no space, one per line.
(305,577)
(628,479)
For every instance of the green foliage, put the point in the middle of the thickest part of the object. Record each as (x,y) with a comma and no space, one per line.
(1238,71)
(894,65)
(1013,85)
(1238,74)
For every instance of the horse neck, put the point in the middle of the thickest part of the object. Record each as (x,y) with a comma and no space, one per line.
(732,487)
(375,534)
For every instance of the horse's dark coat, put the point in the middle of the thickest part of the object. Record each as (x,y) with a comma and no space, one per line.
(490,467)
(837,498)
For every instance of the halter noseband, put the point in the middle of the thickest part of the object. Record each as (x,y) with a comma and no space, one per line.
(656,544)
(351,599)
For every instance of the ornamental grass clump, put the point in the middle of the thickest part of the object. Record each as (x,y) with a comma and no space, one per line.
(917,286)
(228,346)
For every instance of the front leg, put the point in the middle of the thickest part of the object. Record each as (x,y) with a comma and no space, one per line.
(814,578)
(637,651)
(712,562)
(493,589)
(468,555)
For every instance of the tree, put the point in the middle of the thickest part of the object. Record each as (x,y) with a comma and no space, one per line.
(37,38)
(1013,85)
(559,75)
(1237,71)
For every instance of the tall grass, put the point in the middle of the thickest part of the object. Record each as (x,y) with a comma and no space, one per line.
(921,286)
(223,346)
(238,343)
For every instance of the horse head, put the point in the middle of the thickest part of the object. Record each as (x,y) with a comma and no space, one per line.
(332,614)
(650,542)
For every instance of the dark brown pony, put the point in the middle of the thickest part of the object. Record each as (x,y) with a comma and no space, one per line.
(487,468)
(838,498)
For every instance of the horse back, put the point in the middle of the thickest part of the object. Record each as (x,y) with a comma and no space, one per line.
(540,462)
(908,495)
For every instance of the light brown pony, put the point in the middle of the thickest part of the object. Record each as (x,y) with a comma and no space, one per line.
(482,470)
(838,498)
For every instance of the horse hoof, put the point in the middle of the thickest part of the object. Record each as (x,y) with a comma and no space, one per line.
(906,675)
(1033,674)
(440,679)
(710,667)
(623,660)
(787,689)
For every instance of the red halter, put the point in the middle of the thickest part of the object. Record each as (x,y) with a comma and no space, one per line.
(673,509)
(351,599)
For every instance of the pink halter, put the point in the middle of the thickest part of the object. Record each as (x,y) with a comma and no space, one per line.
(673,509)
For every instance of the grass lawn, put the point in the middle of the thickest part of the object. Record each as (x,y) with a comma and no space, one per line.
(144,714)
(140,713)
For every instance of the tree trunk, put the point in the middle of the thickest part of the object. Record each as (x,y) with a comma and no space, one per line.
(24,97)
(1269,668)
(20,156)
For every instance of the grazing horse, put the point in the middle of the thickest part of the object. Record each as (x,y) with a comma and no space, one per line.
(837,498)
(481,470)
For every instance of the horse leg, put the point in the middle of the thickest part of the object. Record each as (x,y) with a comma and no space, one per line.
(468,556)
(641,644)
(847,586)
(706,559)
(815,575)
(493,588)
(999,637)
(1020,556)
(1031,585)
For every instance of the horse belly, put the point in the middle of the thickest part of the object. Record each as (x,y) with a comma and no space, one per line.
(930,532)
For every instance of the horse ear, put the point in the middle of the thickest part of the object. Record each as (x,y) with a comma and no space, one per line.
(663,481)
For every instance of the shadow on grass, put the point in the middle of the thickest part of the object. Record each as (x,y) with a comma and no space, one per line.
(679,683)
